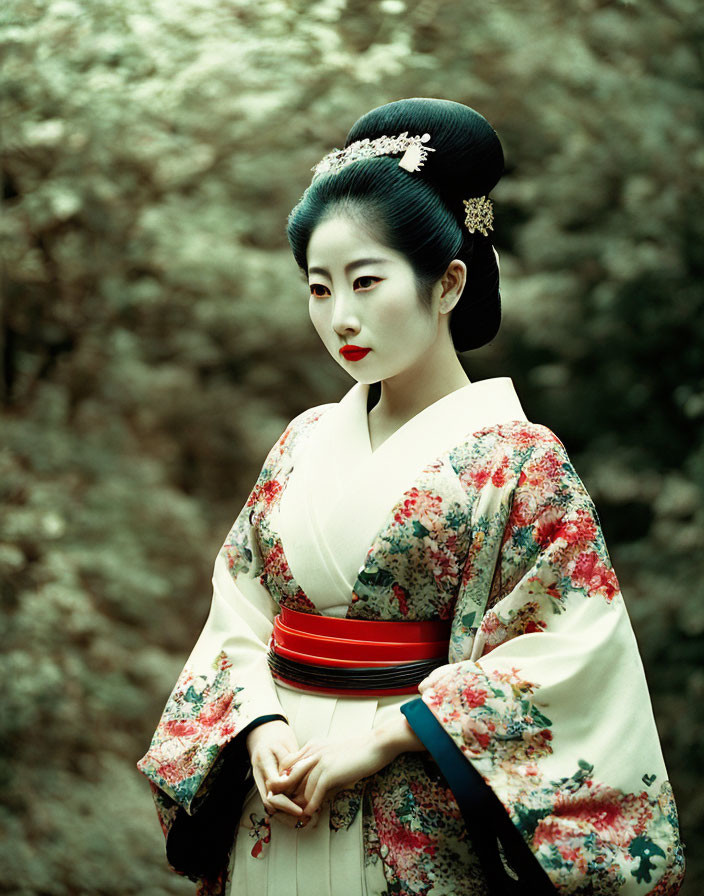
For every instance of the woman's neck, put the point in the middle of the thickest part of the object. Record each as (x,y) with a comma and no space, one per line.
(409,392)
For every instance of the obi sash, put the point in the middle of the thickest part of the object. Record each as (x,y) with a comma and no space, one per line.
(355,657)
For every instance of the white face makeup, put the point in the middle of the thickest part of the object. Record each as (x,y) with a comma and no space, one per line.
(364,294)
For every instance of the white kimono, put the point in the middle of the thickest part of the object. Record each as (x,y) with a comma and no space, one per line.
(540,724)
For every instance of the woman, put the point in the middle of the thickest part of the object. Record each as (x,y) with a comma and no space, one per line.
(418,675)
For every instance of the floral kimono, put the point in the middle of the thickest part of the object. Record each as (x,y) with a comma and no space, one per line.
(543,771)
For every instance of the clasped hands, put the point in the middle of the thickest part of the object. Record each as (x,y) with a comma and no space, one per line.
(294,781)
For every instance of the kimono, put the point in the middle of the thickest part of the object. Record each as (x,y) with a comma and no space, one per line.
(543,771)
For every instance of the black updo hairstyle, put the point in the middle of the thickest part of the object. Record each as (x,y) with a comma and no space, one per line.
(420,214)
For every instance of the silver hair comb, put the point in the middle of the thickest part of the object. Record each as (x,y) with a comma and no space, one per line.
(414,153)
(479,210)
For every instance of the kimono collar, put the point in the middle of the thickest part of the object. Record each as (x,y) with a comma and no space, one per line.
(340,493)
(470,408)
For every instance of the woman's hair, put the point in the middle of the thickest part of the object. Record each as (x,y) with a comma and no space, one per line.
(420,214)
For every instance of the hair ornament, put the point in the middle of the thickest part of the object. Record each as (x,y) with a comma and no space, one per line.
(413,149)
(480,214)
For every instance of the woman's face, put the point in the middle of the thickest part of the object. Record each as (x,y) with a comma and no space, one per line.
(364,294)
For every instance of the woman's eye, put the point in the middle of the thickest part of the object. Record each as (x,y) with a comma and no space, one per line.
(371,281)
(319,291)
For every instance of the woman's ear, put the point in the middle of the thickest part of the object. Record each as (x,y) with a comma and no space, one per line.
(452,283)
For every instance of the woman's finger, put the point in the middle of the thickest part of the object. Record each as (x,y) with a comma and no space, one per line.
(317,796)
(265,790)
(286,758)
(285,761)
(273,779)
(311,784)
(296,774)
(284,803)
(290,780)
(278,783)
(261,786)
(267,764)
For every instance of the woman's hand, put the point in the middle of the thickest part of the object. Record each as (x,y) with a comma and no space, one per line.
(268,744)
(324,766)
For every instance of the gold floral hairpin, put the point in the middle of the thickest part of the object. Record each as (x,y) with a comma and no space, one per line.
(480,215)
(479,211)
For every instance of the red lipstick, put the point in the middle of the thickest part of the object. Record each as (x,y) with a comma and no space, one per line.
(353,352)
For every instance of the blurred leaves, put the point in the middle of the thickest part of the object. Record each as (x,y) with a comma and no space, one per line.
(155,340)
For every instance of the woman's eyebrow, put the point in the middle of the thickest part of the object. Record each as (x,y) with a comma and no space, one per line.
(349,267)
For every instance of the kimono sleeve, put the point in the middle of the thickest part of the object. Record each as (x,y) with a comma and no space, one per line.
(543,725)
(197,764)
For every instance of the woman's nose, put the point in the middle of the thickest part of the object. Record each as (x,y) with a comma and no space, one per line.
(345,319)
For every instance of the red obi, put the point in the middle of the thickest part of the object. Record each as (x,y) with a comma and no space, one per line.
(355,657)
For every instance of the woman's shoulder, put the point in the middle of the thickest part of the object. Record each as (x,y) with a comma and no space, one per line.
(504,454)
(522,435)
(297,428)
(517,440)
(310,416)
(306,420)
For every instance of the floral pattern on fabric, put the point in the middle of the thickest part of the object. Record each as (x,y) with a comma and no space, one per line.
(345,805)
(500,625)
(499,536)
(276,573)
(419,832)
(581,829)
(199,719)
(489,714)
(200,716)
(412,571)
(372,845)
(259,829)
(552,513)
(252,546)
(487,468)
(551,556)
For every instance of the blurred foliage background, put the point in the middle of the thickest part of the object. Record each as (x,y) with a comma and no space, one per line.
(155,341)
